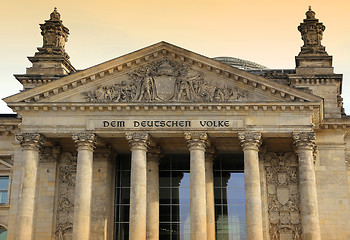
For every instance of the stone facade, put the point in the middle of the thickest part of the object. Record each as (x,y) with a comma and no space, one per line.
(60,149)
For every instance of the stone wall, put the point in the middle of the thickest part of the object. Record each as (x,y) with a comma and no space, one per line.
(332,187)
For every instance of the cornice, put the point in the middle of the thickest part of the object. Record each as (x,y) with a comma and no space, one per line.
(171,106)
(157,51)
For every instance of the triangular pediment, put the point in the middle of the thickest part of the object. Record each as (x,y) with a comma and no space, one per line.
(162,73)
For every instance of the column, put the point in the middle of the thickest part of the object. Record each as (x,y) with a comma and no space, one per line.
(152,224)
(197,143)
(250,142)
(85,143)
(209,182)
(138,142)
(30,143)
(304,143)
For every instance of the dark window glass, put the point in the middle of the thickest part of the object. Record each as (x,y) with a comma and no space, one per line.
(229,196)
(175,215)
(4,184)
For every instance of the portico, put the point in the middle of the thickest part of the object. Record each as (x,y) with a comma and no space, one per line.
(164,143)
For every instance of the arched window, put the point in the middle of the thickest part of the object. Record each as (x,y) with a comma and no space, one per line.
(3,233)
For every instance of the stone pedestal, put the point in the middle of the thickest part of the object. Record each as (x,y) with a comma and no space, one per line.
(304,145)
(30,143)
(209,182)
(85,143)
(251,142)
(138,185)
(152,225)
(197,143)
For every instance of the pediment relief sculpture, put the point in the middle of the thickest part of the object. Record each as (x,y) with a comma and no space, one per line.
(165,81)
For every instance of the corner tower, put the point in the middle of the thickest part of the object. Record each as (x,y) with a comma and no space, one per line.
(51,62)
(314,70)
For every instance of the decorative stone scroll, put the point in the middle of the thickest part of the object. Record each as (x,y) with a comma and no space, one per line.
(165,80)
(31,140)
(197,140)
(250,140)
(283,195)
(65,204)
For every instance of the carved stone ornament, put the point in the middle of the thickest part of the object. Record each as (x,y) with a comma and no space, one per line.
(165,81)
(311,33)
(138,140)
(84,140)
(197,140)
(49,154)
(304,141)
(283,195)
(65,205)
(31,141)
(250,140)
(55,36)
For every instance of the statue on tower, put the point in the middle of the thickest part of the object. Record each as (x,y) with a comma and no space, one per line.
(311,33)
(55,35)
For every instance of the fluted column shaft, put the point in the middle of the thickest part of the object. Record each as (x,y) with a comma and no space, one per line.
(152,227)
(197,143)
(85,143)
(251,142)
(304,145)
(138,185)
(209,181)
(30,143)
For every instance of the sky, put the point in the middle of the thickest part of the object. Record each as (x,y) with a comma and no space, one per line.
(262,31)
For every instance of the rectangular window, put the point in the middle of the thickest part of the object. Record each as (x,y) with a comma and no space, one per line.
(4,185)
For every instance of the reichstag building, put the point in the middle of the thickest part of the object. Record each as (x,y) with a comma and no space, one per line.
(164,143)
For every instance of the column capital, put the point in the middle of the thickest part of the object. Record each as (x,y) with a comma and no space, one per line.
(304,140)
(138,140)
(154,154)
(31,141)
(197,140)
(250,140)
(84,140)
(49,153)
(210,154)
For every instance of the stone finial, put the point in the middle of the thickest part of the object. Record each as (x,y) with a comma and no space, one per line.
(311,33)
(138,140)
(304,140)
(84,140)
(197,140)
(250,140)
(31,141)
(55,35)
(55,16)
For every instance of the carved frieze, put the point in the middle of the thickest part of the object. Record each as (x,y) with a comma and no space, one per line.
(283,195)
(165,81)
(65,204)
